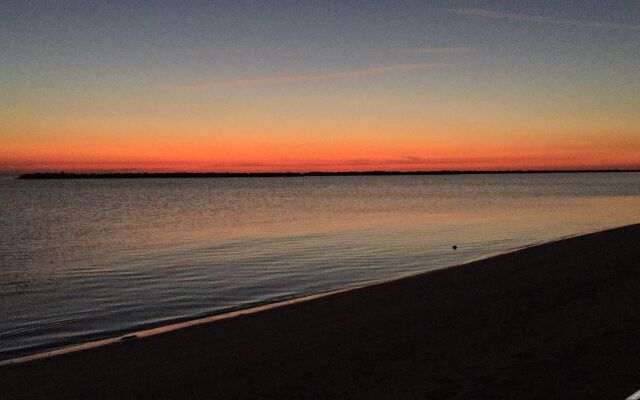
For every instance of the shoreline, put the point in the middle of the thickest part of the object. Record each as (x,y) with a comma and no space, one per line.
(177,326)
(552,320)
(260,307)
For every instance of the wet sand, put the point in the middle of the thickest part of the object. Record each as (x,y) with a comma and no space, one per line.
(555,321)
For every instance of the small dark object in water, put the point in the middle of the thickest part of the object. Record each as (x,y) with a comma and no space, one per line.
(455,247)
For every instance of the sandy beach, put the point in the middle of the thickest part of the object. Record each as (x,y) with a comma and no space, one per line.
(559,320)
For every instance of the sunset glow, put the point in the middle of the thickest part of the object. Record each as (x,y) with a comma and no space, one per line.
(319,87)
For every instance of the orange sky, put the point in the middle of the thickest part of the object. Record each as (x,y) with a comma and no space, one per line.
(416,87)
(328,152)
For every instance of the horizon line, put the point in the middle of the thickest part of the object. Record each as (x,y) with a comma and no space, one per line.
(128,175)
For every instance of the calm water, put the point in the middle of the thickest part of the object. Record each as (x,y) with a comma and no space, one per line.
(82,260)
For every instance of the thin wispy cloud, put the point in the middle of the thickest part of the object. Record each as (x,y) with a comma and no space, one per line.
(546,20)
(276,80)
(441,50)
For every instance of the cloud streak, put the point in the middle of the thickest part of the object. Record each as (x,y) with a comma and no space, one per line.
(441,50)
(546,20)
(277,80)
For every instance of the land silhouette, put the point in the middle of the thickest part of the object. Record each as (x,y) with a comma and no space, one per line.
(156,175)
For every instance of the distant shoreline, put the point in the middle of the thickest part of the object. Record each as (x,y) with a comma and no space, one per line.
(159,175)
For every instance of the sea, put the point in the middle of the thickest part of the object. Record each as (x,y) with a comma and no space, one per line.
(82,260)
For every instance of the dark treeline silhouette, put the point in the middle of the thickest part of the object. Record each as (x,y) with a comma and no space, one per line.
(156,175)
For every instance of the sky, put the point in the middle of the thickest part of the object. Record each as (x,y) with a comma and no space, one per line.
(319,85)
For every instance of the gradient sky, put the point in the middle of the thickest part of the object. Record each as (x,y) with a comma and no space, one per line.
(319,85)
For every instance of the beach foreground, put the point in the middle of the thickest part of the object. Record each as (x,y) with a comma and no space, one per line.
(558,320)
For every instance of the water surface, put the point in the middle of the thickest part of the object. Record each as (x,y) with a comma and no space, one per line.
(87,259)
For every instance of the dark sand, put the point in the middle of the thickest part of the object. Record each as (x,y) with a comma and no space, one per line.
(556,321)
